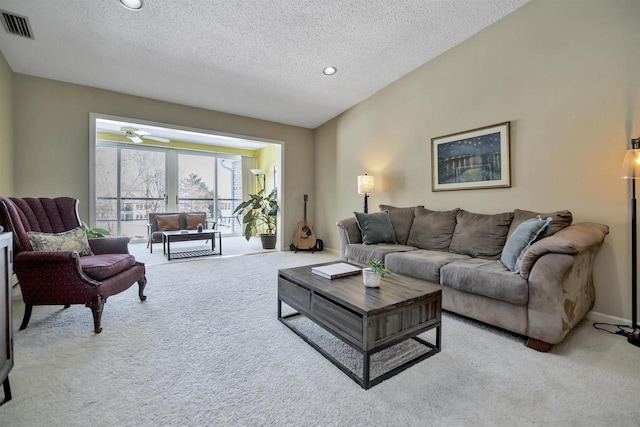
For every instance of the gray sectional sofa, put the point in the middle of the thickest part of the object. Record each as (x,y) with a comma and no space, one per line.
(546,292)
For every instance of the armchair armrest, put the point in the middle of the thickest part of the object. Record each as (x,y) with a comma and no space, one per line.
(48,277)
(569,241)
(109,245)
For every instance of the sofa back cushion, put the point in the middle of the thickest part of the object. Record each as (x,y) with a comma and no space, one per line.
(401,219)
(168,222)
(479,235)
(432,229)
(193,219)
(559,220)
(375,228)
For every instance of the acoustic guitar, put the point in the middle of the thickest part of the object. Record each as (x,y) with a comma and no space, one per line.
(304,238)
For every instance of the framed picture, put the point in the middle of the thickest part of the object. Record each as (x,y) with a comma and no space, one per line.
(477,158)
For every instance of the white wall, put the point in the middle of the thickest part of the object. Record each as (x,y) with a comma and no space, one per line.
(52,139)
(566,74)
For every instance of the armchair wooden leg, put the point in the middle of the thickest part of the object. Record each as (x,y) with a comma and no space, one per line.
(27,316)
(96,309)
(141,284)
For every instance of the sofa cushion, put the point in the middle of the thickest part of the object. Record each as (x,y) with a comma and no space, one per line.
(518,242)
(375,227)
(479,235)
(487,278)
(421,264)
(72,240)
(432,229)
(168,222)
(361,253)
(100,267)
(559,220)
(401,219)
(193,219)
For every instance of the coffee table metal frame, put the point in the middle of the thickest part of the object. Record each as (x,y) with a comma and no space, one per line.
(295,284)
(181,236)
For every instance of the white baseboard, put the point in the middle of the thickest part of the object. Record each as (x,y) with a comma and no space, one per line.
(605,318)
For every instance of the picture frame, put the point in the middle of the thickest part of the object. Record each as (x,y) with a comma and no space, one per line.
(474,159)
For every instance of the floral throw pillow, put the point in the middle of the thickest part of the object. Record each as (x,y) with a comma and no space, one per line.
(72,240)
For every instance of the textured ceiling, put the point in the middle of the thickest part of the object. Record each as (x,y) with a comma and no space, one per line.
(255,58)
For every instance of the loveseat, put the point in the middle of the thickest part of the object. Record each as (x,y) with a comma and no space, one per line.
(540,287)
(174,221)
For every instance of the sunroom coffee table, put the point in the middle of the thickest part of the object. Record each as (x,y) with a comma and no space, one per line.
(187,235)
(367,319)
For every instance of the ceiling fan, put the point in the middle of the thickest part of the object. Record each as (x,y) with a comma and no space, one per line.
(136,135)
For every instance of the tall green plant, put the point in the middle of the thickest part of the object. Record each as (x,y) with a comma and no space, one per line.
(94,232)
(260,210)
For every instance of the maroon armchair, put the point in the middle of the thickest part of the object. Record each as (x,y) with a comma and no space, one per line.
(65,277)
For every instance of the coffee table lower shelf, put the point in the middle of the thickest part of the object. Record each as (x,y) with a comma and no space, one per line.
(366,381)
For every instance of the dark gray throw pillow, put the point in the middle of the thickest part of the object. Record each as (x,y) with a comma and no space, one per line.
(481,236)
(524,235)
(401,219)
(432,229)
(375,227)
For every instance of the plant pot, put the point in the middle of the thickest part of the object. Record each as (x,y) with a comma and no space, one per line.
(370,278)
(199,228)
(268,241)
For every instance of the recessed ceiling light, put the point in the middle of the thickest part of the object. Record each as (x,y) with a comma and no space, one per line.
(132,4)
(330,71)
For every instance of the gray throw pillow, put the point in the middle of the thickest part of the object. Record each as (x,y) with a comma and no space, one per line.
(559,220)
(432,229)
(480,236)
(524,235)
(401,219)
(375,227)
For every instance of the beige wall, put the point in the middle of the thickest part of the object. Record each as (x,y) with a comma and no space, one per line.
(52,139)
(6,128)
(567,76)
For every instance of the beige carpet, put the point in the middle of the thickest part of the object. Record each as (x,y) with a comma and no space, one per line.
(206,349)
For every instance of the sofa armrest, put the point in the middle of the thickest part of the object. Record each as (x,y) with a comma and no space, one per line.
(569,241)
(109,245)
(560,277)
(348,232)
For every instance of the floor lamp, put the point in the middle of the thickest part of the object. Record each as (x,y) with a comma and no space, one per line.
(258,173)
(631,171)
(365,186)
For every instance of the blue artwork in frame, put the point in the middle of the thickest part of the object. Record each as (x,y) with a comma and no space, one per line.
(474,159)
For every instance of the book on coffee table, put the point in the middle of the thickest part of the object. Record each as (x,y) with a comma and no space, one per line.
(333,271)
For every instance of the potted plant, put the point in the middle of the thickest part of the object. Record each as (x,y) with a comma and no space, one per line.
(373,273)
(94,232)
(200,227)
(260,213)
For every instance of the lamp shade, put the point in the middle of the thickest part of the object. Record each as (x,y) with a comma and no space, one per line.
(366,184)
(631,164)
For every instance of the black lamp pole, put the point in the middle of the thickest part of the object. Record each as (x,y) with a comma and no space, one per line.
(366,204)
(634,337)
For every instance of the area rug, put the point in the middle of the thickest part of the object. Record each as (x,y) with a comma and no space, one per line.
(206,349)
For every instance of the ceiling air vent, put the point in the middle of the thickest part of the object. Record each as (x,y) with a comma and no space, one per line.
(16,24)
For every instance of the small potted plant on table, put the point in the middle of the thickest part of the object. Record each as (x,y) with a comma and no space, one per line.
(373,273)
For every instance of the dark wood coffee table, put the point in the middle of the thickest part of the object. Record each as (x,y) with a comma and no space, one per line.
(367,319)
(187,235)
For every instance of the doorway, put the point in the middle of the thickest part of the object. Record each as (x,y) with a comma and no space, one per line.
(169,170)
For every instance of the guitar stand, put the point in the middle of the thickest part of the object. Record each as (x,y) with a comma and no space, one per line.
(318,247)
